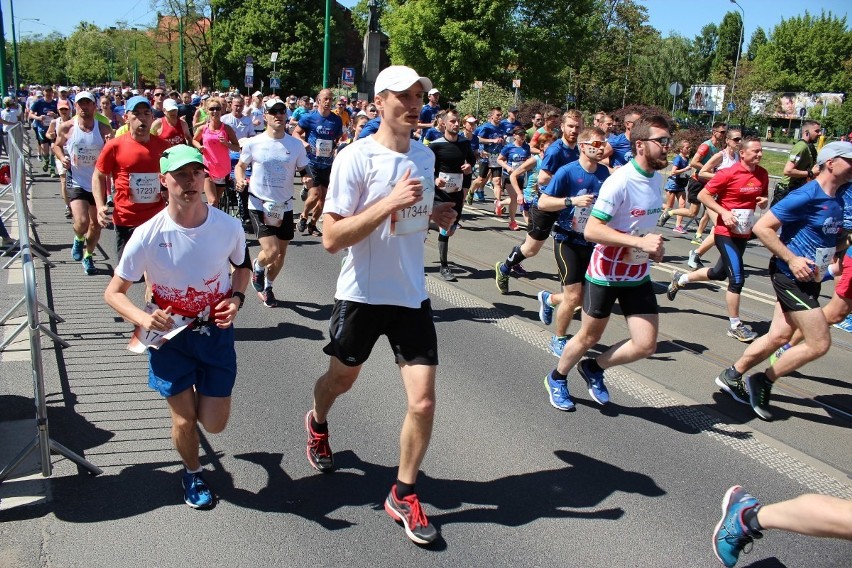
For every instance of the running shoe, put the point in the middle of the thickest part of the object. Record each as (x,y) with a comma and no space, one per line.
(595,382)
(44,166)
(447,274)
(697,239)
(545,310)
(196,494)
(694,261)
(77,250)
(519,269)
(469,198)
(557,344)
(480,196)
(303,225)
(778,352)
(501,279)
(732,535)
(268,298)
(680,230)
(410,513)
(109,201)
(557,392)
(742,332)
(319,452)
(664,216)
(498,208)
(304,194)
(89,265)
(258,278)
(513,225)
(313,231)
(733,387)
(68,214)
(674,286)
(759,390)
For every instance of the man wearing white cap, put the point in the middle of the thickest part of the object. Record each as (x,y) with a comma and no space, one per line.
(171,127)
(379,204)
(810,220)
(79,142)
(430,110)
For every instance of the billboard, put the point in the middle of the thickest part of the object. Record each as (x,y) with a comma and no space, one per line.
(790,105)
(707,98)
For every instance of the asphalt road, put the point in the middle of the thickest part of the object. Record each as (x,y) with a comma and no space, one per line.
(508,480)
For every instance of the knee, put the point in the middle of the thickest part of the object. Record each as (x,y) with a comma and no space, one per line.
(819,346)
(647,348)
(185,424)
(423,407)
(735,287)
(214,424)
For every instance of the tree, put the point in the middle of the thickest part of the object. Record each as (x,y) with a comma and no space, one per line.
(257,28)
(481,100)
(807,53)
(89,55)
(361,12)
(452,42)
(42,59)
(727,45)
(188,17)
(665,61)
(758,38)
(704,51)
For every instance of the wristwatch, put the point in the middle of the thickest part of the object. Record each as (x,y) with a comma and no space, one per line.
(242,298)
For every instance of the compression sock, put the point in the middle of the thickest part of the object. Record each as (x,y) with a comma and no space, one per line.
(515,257)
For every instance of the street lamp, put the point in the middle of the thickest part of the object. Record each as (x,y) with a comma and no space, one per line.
(739,49)
(135,60)
(16,66)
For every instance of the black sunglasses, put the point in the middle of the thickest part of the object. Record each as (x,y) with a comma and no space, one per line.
(274,111)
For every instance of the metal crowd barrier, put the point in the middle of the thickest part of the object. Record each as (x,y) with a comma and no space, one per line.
(42,441)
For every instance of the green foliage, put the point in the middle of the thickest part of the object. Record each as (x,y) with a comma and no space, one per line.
(758,38)
(807,53)
(727,45)
(704,50)
(665,61)
(361,12)
(89,55)
(453,42)
(478,101)
(41,59)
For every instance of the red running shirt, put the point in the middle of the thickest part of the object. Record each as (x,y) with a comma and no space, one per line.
(738,190)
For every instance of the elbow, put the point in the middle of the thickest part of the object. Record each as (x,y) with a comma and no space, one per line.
(330,244)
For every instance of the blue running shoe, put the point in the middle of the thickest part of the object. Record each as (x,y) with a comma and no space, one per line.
(545,310)
(77,250)
(196,494)
(258,278)
(89,265)
(731,535)
(595,382)
(557,344)
(557,392)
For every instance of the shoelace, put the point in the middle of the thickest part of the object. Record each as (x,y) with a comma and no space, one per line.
(416,514)
(319,443)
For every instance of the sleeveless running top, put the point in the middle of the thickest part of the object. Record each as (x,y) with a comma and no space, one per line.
(728,161)
(171,134)
(84,149)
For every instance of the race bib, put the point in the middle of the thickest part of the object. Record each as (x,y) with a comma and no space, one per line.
(144,188)
(633,255)
(452,182)
(144,339)
(85,156)
(324,148)
(274,211)
(492,161)
(581,216)
(415,218)
(745,221)
(822,258)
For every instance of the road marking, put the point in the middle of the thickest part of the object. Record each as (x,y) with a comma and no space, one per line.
(741,440)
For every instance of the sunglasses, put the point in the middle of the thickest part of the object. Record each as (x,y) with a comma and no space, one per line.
(736,139)
(595,143)
(214,109)
(663,141)
(159,94)
(275,111)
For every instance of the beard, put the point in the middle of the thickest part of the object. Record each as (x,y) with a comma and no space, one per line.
(658,163)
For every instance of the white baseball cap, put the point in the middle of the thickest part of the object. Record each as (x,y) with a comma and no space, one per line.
(398,78)
(85,95)
(169,104)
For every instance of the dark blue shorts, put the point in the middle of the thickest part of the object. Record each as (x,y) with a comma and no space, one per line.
(191,358)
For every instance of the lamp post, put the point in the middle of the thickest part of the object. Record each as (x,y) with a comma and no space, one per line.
(739,49)
(135,60)
(326,53)
(16,66)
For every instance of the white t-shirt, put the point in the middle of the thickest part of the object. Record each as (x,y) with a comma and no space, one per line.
(242,126)
(382,269)
(629,202)
(274,162)
(10,115)
(187,268)
(256,114)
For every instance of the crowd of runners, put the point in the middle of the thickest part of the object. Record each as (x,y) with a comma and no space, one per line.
(156,167)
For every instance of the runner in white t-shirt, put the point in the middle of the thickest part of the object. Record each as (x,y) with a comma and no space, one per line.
(274,157)
(380,200)
(625,211)
(187,252)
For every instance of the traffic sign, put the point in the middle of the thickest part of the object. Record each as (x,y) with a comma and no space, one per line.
(162,81)
(731,106)
(249,81)
(516,83)
(477,84)
(226,83)
(348,77)
(274,57)
(675,89)
(275,82)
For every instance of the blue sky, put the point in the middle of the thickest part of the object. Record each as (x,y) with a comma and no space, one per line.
(665,15)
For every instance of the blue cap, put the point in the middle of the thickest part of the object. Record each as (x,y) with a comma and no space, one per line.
(135,101)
